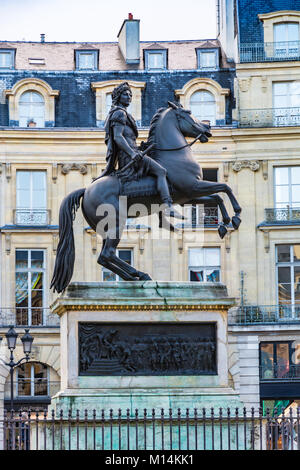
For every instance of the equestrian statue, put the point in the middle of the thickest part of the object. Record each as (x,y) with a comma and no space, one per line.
(160,173)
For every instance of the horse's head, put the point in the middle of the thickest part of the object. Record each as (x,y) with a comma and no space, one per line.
(189,125)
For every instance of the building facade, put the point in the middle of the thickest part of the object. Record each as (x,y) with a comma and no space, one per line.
(53,103)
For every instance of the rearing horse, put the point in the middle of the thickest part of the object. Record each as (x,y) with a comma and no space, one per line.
(168,130)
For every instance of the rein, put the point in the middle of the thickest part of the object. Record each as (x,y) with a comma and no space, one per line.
(179,148)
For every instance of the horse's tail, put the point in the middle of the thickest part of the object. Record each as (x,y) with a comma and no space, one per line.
(65,256)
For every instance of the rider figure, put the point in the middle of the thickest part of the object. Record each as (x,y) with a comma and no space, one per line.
(120,137)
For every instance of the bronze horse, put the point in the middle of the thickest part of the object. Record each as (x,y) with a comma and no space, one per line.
(168,130)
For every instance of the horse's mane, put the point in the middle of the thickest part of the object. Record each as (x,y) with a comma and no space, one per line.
(153,124)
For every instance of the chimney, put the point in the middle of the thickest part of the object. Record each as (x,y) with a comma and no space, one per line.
(42,37)
(129,40)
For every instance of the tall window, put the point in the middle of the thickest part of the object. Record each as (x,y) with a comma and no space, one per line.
(287,187)
(204,264)
(286,39)
(32,380)
(31,198)
(286,103)
(125,255)
(30,287)
(31,109)
(203,106)
(288,274)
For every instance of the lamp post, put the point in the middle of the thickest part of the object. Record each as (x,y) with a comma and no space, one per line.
(11,337)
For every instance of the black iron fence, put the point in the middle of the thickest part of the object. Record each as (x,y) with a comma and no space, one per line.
(205,429)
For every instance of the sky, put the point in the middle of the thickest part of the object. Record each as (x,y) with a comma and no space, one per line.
(100,20)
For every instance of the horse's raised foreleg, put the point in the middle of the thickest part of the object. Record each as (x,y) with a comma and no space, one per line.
(215,198)
(208,188)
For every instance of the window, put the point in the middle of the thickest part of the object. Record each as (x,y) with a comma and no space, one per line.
(29,293)
(31,198)
(208,59)
(32,380)
(125,255)
(204,264)
(287,187)
(286,39)
(7,59)
(286,103)
(203,214)
(203,106)
(86,60)
(279,360)
(156,60)
(31,109)
(288,274)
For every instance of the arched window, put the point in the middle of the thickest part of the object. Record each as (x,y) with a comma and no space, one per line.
(203,106)
(31,109)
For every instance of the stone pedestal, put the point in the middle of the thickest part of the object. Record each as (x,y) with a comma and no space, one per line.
(165,321)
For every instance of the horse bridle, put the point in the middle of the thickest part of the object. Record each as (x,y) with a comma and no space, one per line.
(183,146)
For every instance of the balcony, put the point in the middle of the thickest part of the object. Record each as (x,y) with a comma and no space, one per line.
(34,316)
(269,117)
(31,217)
(283,215)
(200,216)
(276,372)
(258,314)
(269,51)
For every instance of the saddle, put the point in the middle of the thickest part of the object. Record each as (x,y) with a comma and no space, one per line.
(145,186)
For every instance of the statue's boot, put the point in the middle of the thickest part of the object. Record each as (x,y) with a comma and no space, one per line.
(170,211)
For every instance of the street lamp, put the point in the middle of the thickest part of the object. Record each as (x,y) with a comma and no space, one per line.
(11,337)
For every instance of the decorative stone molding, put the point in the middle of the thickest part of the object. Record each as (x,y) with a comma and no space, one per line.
(102,89)
(266,234)
(226,171)
(54,242)
(8,243)
(264,83)
(206,84)
(244,84)
(265,169)
(8,171)
(54,172)
(31,84)
(283,16)
(238,165)
(67,167)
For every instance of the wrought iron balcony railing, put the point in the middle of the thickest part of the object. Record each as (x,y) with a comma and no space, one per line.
(31,216)
(201,216)
(34,316)
(269,51)
(269,117)
(250,314)
(289,214)
(289,372)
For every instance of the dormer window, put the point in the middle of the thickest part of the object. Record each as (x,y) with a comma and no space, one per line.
(156,59)
(86,60)
(208,59)
(7,59)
